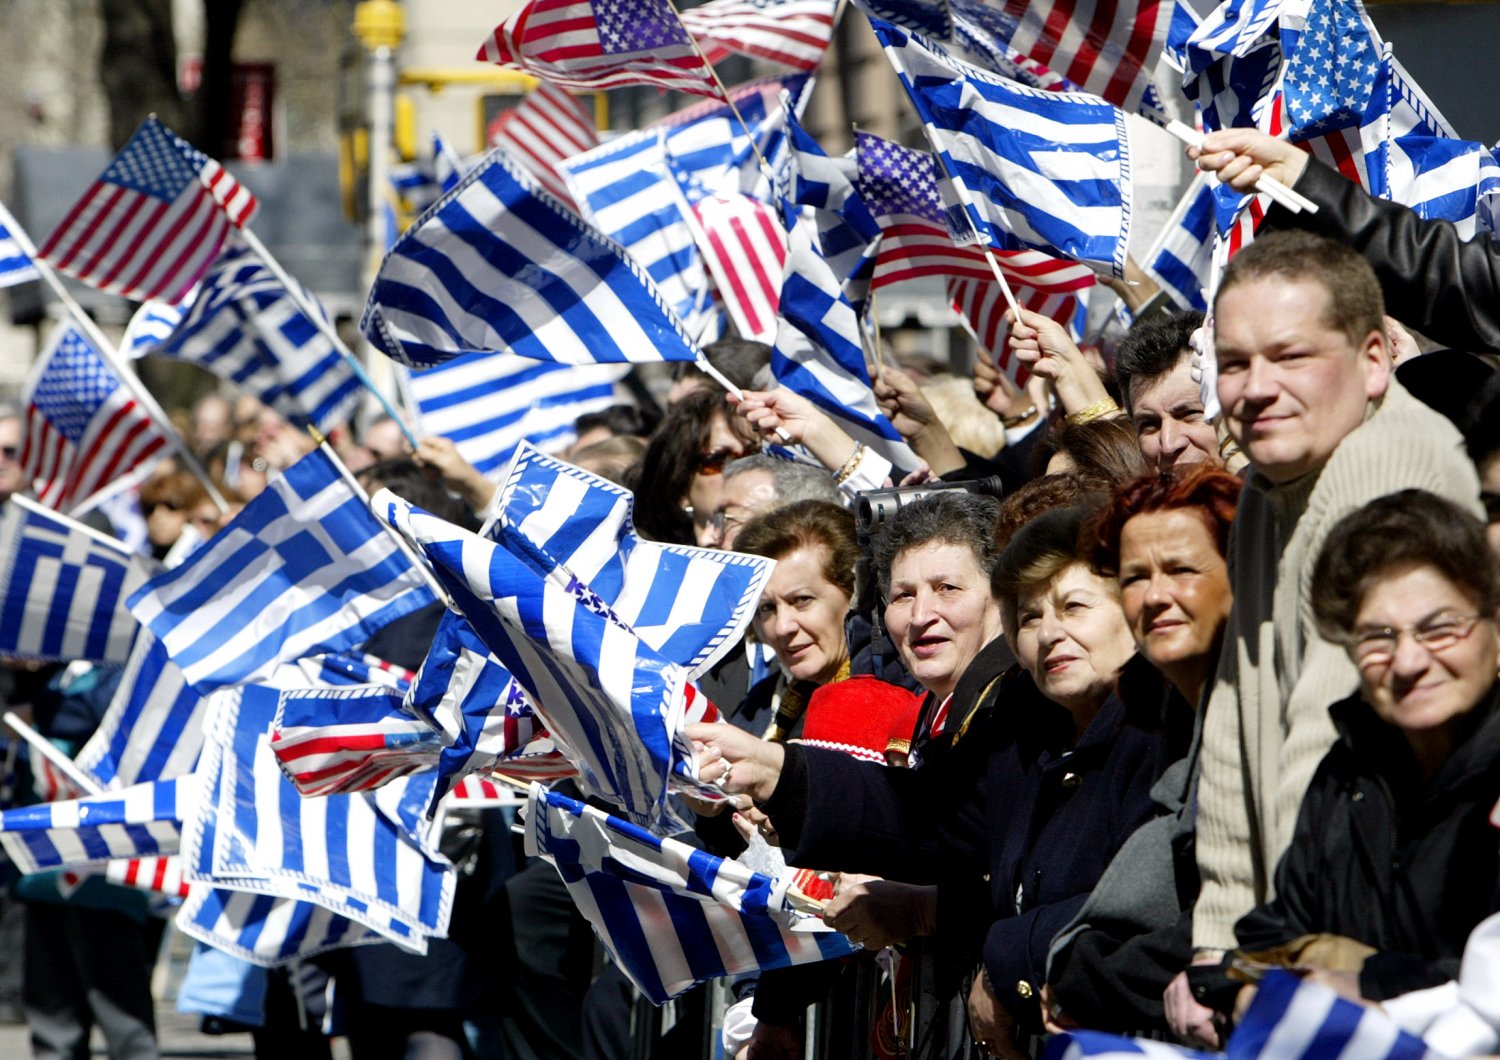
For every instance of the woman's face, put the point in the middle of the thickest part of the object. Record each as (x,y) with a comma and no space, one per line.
(940,612)
(801,616)
(723,445)
(1071,637)
(1174,588)
(1421,687)
(164,522)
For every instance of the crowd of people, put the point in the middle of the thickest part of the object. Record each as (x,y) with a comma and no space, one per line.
(1114,708)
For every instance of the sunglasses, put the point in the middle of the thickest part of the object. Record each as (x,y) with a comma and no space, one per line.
(713,463)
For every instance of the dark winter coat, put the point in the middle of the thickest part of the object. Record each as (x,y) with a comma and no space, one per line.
(1380,856)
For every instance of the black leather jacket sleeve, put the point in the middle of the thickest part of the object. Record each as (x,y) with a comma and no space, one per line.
(1434,281)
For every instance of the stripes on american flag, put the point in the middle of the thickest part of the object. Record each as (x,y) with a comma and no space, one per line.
(16,265)
(303,568)
(981,306)
(547,126)
(152,222)
(336,740)
(500,265)
(159,875)
(587,45)
(794,33)
(671,915)
(63,587)
(86,436)
(744,246)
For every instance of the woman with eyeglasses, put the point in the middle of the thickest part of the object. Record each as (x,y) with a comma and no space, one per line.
(1394,859)
(679,477)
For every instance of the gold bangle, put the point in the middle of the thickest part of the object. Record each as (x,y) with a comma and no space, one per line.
(1098,410)
(850,464)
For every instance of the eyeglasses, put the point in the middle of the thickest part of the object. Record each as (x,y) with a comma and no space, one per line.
(719,520)
(713,463)
(1377,647)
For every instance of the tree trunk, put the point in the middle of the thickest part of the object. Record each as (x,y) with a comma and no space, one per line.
(138,65)
(221,19)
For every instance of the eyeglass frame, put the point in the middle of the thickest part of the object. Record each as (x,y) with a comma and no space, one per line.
(1377,657)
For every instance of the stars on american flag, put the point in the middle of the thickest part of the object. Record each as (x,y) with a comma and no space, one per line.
(638,26)
(76,387)
(160,165)
(1331,69)
(897,180)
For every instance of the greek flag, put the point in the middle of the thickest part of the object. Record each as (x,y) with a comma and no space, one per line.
(255,833)
(245,327)
(16,262)
(640,188)
(303,569)
(848,233)
(266,930)
(818,352)
(488,403)
(144,820)
(1231,61)
(1182,258)
(63,588)
(1037,170)
(153,729)
(671,915)
(150,326)
(613,705)
(498,264)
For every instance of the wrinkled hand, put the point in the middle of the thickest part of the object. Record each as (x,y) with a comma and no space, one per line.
(748,822)
(992,1026)
(798,421)
(877,913)
(743,764)
(1043,344)
(1242,156)
(1193,1023)
(912,414)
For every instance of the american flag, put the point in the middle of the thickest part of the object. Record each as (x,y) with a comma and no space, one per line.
(981,306)
(901,188)
(153,221)
(792,32)
(548,126)
(588,45)
(744,246)
(86,435)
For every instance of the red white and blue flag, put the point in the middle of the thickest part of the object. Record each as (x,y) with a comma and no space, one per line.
(794,33)
(86,434)
(154,220)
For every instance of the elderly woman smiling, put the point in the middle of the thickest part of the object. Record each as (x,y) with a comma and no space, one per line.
(1394,859)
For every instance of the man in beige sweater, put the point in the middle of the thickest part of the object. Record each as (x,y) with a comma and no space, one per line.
(1307,386)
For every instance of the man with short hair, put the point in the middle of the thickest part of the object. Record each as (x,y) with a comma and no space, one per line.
(759,483)
(10,453)
(1308,392)
(1153,367)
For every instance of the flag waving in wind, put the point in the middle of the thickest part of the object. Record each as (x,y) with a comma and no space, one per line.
(86,434)
(153,221)
(792,32)
(16,265)
(498,264)
(587,45)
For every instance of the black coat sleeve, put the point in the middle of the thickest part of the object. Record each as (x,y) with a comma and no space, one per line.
(1434,281)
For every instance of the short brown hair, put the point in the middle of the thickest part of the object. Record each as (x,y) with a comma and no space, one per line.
(806,524)
(1412,528)
(1355,305)
(1210,492)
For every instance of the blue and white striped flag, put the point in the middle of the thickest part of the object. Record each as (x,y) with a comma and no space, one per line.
(153,729)
(848,233)
(265,930)
(304,568)
(1045,171)
(63,588)
(671,915)
(151,325)
(640,187)
(1232,60)
(818,351)
(144,820)
(612,704)
(488,403)
(16,262)
(1182,258)
(245,327)
(343,852)
(498,264)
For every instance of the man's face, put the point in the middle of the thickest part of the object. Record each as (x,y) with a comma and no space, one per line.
(10,452)
(1168,416)
(744,497)
(1292,387)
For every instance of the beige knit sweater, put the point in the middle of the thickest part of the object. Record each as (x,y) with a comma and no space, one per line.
(1267,724)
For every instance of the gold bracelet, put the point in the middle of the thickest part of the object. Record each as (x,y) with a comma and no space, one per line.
(849,465)
(1099,409)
